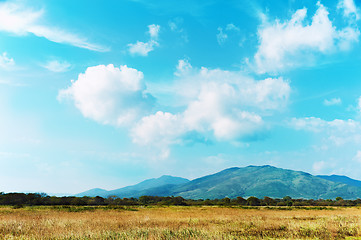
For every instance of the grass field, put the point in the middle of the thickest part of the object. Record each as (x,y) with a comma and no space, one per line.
(179,223)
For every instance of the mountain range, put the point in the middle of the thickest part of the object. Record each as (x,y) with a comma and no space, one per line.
(258,181)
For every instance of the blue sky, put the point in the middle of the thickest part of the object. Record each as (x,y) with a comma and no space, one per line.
(107,94)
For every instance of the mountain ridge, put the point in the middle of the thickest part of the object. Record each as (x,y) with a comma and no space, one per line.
(135,190)
(341,179)
(258,181)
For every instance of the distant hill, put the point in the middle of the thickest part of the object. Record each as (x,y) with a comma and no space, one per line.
(154,186)
(92,193)
(341,179)
(258,181)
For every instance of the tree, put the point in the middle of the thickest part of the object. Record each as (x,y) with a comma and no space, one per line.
(339,198)
(241,201)
(287,198)
(253,201)
(269,201)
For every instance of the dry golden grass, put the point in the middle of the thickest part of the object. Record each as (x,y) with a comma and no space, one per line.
(179,223)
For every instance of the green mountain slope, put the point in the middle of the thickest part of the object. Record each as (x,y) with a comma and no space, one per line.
(341,179)
(160,185)
(141,188)
(264,181)
(258,181)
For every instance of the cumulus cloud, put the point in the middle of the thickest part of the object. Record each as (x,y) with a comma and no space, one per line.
(110,95)
(154,31)
(225,105)
(288,44)
(5,61)
(332,101)
(20,20)
(184,68)
(217,105)
(161,129)
(143,48)
(337,132)
(57,66)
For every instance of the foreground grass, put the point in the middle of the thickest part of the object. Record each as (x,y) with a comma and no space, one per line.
(179,223)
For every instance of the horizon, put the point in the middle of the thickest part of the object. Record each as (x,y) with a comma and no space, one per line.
(121,91)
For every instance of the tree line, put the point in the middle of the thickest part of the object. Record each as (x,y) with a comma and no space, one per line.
(33,199)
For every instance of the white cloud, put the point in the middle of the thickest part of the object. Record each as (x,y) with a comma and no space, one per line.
(226,105)
(183,68)
(216,109)
(319,166)
(317,124)
(349,8)
(175,25)
(288,44)
(143,48)
(332,102)
(217,104)
(220,105)
(308,123)
(221,36)
(346,37)
(232,27)
(267,94)
(162,129)
(337,132)
(6,62)
(154,31)
(57,66)
(110,95)
(19,20)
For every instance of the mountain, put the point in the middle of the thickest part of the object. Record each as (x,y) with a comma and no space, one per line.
(154,186)
(93,193)
(341,179)
(145,188)
(261,181)
(258,181)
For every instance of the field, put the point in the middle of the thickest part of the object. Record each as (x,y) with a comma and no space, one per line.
(179,223)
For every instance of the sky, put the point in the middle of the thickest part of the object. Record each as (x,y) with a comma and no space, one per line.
(109,93)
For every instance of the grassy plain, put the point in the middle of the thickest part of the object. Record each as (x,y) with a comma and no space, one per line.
(179,223)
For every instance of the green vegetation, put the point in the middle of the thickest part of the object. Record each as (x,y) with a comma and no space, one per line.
(261,181)
(19,200)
